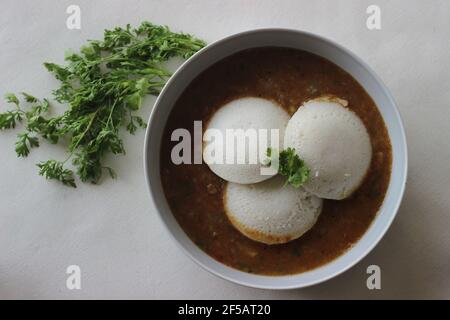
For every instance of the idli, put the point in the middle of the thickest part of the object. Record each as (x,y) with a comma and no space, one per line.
(247,118)
(335,145)
(270,211)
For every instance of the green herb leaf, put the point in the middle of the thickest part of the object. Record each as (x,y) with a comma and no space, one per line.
(25,143)
(9,119)
(29,97)
(12,98)
(292,167)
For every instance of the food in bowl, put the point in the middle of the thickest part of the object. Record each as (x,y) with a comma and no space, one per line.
(291,79)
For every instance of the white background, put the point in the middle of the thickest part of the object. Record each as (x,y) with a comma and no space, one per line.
(112,231)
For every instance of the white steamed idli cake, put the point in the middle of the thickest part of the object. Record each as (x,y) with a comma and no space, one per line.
(244,113)
(335,145)
(271,212)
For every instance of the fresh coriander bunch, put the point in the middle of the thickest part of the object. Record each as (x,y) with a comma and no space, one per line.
(103,86)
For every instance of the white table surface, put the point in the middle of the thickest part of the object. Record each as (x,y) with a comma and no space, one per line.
(112,231)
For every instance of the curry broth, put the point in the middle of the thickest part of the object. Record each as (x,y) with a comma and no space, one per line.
(289,77)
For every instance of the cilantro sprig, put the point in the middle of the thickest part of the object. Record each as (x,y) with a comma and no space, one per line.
(292,167)
(103,87)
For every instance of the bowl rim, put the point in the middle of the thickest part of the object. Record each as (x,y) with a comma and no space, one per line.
(368,248)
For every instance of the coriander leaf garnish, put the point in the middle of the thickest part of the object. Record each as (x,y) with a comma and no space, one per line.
(103,86)
(292,167)
(12,98)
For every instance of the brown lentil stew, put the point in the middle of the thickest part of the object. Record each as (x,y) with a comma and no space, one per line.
(289,77)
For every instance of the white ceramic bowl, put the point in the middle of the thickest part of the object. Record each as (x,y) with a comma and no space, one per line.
(319,46)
